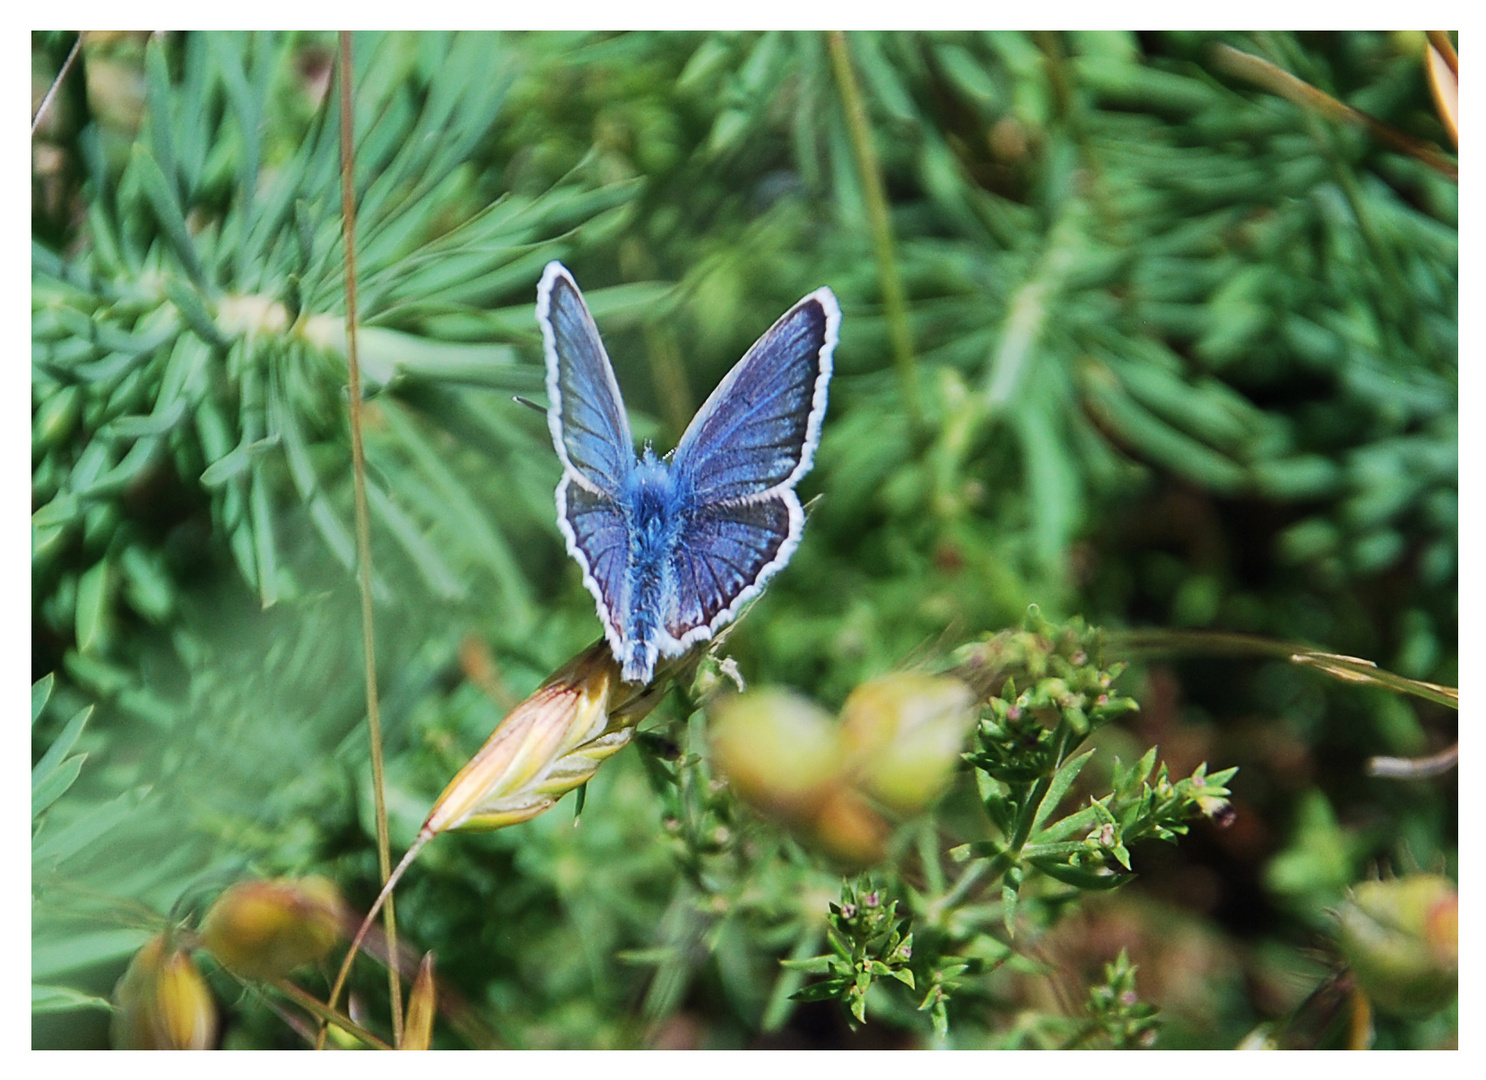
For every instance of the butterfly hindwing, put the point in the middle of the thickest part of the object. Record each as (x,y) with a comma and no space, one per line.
(759,429)
(598,538)
(585,412)
(724,555)
(591,434)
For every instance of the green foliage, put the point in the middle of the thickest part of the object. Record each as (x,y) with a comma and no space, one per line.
(1116,1014)
(868,943)
(1027,760)
(1185,355)
(196,345)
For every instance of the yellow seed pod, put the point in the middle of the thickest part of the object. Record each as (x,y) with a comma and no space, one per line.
(163,1002)
(266,929)
(778,751)
(550,744)
(1400,937)
(905,732)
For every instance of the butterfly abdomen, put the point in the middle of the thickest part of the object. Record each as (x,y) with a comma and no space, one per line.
(653,515)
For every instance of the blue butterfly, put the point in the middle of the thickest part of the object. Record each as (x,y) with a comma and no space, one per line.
(671,548)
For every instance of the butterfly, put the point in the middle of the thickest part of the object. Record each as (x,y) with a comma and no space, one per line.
(672,547)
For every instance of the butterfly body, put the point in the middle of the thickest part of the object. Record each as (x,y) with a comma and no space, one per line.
(672,548)
(655,517)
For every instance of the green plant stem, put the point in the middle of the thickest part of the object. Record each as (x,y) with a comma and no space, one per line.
(363,530)
(1028,800)
(1027,816)
(959,890)
(893,299)
(326,1016)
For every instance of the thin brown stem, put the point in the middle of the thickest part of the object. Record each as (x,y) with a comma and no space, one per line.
(46,102)
(383,897)
(309,1004)
(1276,80)
(363,529)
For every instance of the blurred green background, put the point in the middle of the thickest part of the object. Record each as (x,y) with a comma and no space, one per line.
(1124,335)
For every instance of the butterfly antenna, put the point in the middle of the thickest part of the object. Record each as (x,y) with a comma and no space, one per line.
(530,404)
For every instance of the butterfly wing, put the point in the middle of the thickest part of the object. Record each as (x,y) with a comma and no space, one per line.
(725,554)
(759,429)
(591,434)
(598,538)
(584,410)
(739,462)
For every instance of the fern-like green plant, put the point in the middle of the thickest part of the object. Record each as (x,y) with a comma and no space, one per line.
(195,341)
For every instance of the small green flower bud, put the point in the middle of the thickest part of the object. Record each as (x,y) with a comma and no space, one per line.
(1400,937)
(266,929)
(163,1002)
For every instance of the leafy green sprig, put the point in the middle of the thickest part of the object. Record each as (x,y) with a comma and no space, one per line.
(1027,759)
(869,941)
(1044,691)
(1115,1014)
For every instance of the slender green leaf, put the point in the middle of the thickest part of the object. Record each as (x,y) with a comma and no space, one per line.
(51,787)
(168,212)
(425,556)
(41,691)
(92,605)
(61,746)
(1062,780)
(86,950)
(46,999)
(55,846)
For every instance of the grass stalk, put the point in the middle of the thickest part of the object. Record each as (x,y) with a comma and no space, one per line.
(1148,644)
(1276,80)
(363,540)
(51,91)
(893,298)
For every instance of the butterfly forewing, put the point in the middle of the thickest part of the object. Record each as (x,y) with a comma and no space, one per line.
(759,429)
(585,412)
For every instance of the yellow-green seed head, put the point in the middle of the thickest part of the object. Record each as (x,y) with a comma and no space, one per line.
(163,1002)
(266,929)
(1400,937)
